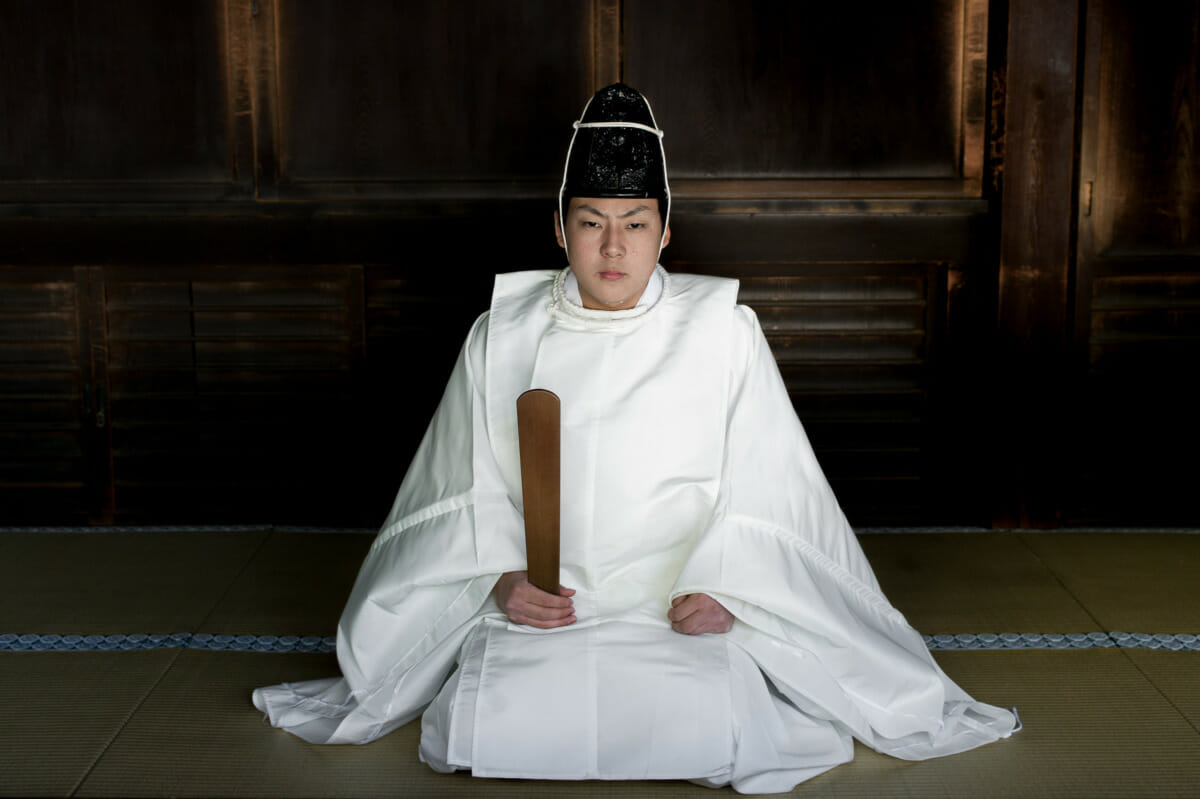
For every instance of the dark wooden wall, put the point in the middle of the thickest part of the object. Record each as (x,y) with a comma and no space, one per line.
(241,240)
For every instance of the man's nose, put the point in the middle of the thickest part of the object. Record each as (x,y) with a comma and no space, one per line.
(613,245)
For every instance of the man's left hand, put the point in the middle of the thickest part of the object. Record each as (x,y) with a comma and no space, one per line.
(693,614)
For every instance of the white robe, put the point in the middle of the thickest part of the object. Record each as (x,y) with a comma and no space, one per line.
(685,471)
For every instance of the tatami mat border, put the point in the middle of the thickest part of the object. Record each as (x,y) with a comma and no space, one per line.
(32,642)
(1097,640)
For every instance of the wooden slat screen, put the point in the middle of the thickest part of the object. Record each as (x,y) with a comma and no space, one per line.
(233,389)
(1143,352)
(43,396)
(851,349)
(853,343)
(416,322)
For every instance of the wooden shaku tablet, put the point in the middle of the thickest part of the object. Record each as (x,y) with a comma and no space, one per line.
(538,435)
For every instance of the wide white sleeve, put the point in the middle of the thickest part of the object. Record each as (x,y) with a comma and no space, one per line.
(451,532)
(780,555)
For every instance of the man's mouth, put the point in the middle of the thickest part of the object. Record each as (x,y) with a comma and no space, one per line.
(611,275)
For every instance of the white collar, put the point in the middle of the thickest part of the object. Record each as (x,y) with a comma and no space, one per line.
(654,289)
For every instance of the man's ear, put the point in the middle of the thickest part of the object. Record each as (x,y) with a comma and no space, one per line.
(666,236)
(558,234)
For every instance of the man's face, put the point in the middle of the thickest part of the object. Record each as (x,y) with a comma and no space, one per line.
(612,244)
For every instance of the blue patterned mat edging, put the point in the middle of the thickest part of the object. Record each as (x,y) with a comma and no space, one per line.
(32,642)
(1097,640)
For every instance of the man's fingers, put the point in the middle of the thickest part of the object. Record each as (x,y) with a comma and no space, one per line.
(524,603)
(682,607)
(697,625)
(532,595)
(698,614)
(542,624)
(543,612)
(537,608)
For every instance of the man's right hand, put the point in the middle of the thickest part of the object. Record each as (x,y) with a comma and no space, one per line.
(525,603)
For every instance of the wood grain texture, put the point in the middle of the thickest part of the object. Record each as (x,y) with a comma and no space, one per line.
(103,92)
(413,90)
(1035,259)
(806,90)
(1147,95)
(607,47)
(1137,295)
(539,433)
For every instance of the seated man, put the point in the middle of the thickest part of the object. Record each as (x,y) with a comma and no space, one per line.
(721,623)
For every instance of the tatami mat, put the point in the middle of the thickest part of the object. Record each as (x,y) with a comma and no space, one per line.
(60,710)
(981,582)
(1094,727)
(1099,721)
(1148,582)
(1177,676)
(295,583)
(103,583)
(198,735)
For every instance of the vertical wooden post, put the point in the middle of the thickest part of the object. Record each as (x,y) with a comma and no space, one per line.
(607,49)
(250,34)
(1035,275)
(235,33)
(973,125)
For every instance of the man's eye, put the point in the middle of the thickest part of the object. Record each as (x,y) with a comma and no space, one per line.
(590,223)
(636,225)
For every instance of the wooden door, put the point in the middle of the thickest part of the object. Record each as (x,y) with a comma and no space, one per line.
(1137,293)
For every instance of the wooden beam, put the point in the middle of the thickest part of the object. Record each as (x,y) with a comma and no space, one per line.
(607,47)
(1036,245)
(974,92)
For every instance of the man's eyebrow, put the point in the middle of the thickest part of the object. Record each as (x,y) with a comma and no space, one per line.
(597,212)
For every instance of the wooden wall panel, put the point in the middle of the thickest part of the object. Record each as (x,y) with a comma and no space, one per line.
(130,91)
(959,352)
(802,90)
(417,91)
(1147,133)
(1137,326)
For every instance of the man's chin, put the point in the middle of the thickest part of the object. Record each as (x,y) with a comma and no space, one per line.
(620,302)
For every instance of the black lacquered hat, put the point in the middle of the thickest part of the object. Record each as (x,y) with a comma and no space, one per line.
(616,151)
